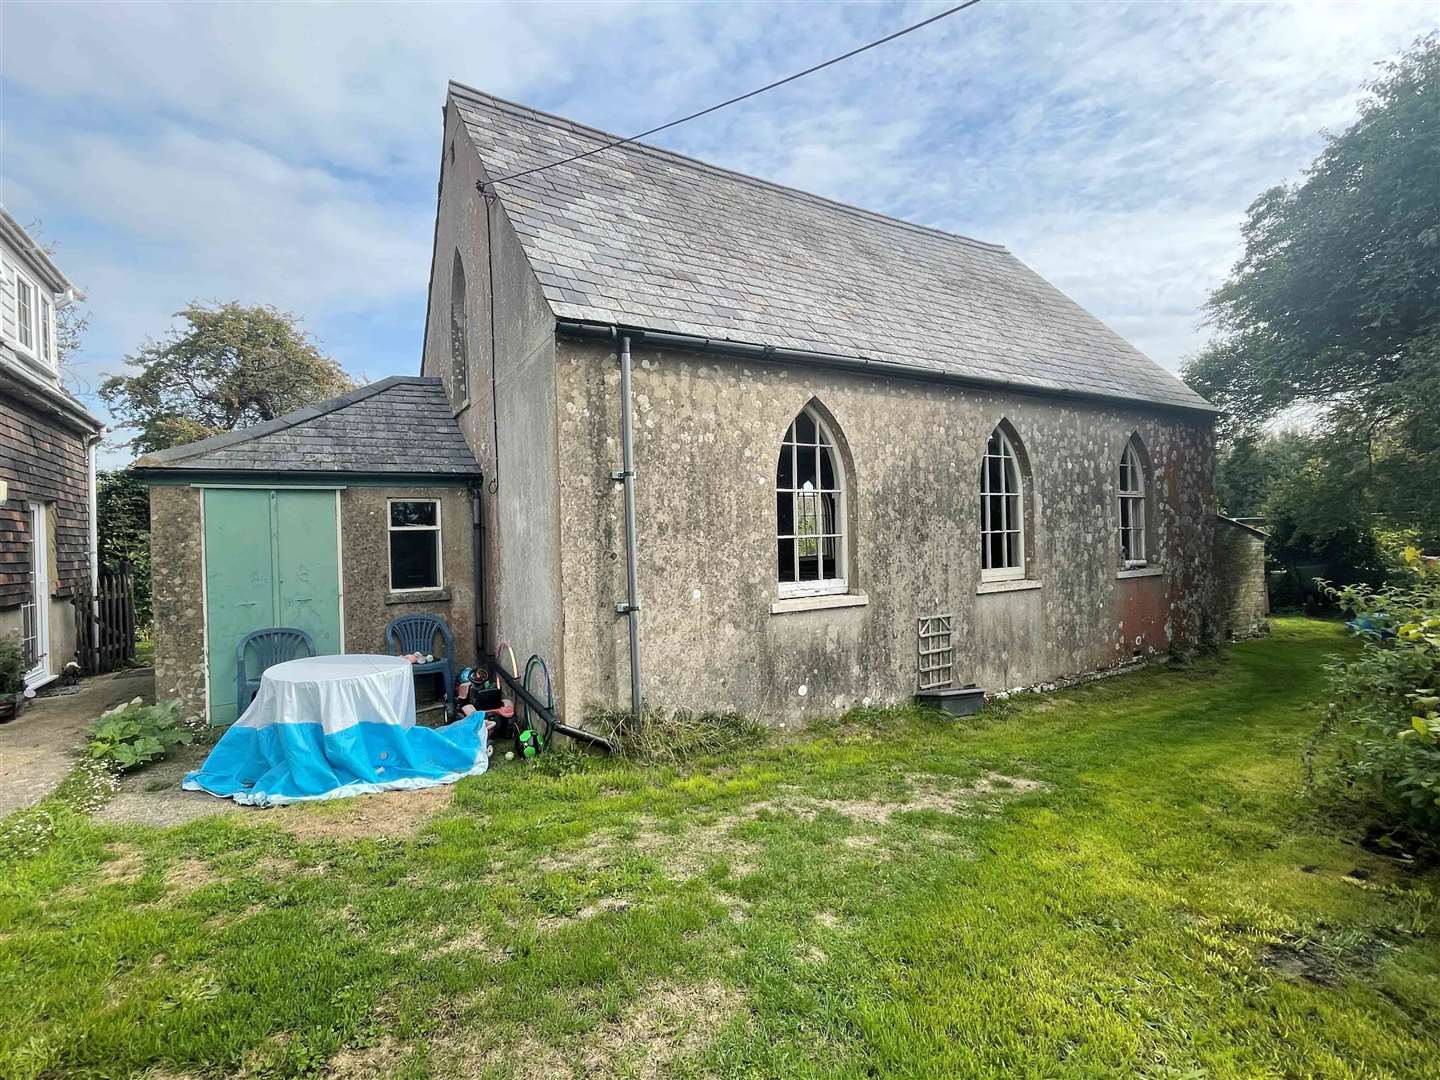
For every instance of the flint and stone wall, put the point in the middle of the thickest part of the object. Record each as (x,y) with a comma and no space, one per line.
(708,431)
(1241,601)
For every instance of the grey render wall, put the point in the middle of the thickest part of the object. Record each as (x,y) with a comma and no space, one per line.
(1241,601)
(522,508)
(707,434)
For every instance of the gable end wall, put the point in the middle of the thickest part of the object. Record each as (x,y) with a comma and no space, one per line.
(521,504)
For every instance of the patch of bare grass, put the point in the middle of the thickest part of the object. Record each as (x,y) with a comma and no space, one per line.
(690,851)
(184,876)
(390,814)
(367,1063)
(667,1024)
(124,865)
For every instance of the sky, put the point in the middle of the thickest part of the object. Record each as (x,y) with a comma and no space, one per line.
(288,154)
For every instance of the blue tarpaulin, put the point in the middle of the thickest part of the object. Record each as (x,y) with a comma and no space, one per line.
(333,726)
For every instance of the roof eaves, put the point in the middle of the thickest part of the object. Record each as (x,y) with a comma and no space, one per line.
(16,235)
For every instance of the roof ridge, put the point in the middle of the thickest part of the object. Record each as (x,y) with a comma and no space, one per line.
(555,120)
(280,423)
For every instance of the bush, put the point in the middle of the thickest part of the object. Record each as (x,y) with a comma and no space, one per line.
(1380,742)
(133,734)
(12,667)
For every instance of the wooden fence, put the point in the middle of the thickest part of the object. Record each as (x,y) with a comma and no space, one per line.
(105,629)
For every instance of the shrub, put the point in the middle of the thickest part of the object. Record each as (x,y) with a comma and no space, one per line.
(1379,744)
(12,666)
(133,734)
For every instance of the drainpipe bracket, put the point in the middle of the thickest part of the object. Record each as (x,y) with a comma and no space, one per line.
(622,608)
(619,476)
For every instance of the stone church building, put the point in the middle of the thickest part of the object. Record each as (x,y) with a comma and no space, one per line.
(869,457)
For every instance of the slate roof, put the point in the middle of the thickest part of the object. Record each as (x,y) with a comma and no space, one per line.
(400,425)
(643,237)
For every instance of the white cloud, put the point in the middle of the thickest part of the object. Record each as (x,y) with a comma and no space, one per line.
(287,152)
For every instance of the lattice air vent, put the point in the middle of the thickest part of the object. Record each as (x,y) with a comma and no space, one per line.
(934,652)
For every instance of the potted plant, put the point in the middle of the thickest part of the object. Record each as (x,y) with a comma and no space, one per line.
(12,679)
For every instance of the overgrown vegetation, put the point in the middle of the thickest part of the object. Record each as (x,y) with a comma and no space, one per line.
(12,666)
(122,502)
(673,736)
(1115,880)
(133,734)
(1379,745)
(1334,310)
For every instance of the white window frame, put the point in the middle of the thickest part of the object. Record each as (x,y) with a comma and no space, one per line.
(1009,455)
(1134,496)
(28,326)
(47,332)
(824,438)
(437,529)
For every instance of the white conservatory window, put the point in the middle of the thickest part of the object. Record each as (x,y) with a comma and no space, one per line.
(1132,507)
(811,543)
(1002,512)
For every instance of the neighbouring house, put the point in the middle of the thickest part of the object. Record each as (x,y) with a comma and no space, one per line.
(335,519)
(47,464)
(870,457)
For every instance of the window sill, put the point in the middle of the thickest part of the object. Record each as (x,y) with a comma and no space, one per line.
(1140,571)
(1011,585)
(818,603)
(418,596)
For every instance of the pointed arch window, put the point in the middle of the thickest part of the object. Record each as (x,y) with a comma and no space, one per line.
(812,545)
(459,332)
(1132,494)
(1002,510)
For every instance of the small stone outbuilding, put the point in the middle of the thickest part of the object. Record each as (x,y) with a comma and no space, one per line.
(334,519)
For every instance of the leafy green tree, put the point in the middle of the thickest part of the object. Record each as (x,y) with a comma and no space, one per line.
(1335,305)
(229,367)
(1338,288)
(123,521)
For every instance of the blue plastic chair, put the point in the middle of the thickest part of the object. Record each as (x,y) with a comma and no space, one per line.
(417,634)
(268,648)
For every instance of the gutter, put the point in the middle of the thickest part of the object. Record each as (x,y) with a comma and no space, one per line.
(770,354)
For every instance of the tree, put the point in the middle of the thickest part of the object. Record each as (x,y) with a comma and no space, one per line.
(1335,305)
(122,502)
(230,366)
(1337,293)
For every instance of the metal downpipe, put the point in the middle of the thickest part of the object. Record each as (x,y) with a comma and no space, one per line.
(631,607)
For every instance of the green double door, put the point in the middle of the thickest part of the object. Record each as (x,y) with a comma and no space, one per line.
(271,559)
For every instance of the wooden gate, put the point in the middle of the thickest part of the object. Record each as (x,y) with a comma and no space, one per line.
(105,629)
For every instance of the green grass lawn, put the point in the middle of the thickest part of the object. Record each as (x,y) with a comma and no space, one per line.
(1121,879)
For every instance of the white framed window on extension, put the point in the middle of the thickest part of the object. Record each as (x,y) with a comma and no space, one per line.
(1131,493)
(1002,509)
(812,545)
(415,545)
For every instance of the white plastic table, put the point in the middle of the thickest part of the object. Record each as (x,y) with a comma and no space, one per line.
(336,692)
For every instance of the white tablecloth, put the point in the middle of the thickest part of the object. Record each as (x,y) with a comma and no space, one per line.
(335,692)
